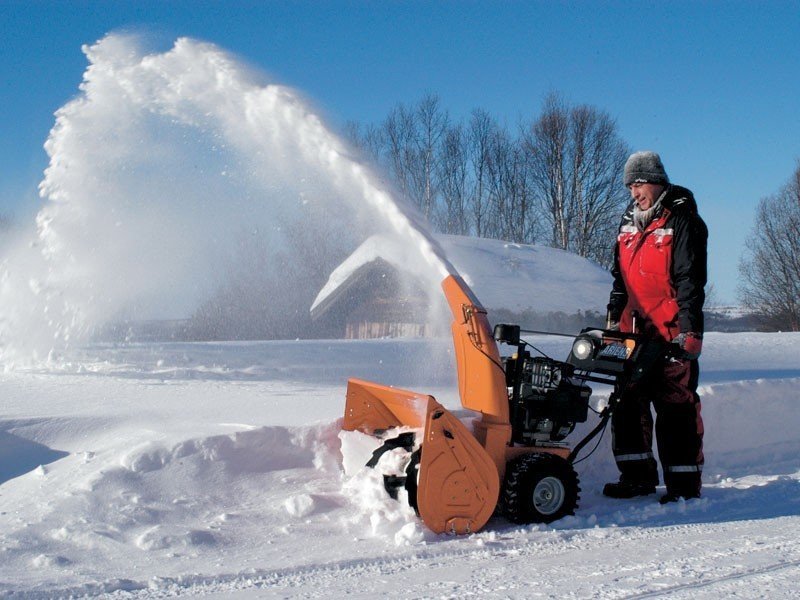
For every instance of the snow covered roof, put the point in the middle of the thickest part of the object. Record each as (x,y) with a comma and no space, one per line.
(503,275)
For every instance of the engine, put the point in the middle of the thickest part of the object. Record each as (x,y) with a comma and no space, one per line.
(545,400)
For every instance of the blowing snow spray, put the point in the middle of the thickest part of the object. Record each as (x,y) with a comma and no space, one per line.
(160,169)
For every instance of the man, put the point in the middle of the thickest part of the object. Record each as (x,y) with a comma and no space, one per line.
(659,279)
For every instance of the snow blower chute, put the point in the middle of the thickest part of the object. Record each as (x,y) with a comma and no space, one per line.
(514,457)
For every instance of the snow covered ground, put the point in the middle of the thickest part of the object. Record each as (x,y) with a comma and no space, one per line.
(215,469)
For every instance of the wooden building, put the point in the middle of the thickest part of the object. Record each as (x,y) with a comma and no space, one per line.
(375,301)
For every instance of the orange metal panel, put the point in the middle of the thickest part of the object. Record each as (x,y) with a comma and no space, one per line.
(370,406)
(481,380)
(458,481)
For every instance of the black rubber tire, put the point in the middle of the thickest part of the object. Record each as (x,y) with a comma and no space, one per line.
(539,488)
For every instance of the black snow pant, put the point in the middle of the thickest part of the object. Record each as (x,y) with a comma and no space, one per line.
(671,387)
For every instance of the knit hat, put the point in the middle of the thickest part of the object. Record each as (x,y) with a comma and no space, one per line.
(645,167)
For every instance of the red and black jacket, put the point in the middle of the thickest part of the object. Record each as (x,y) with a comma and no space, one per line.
(661,272)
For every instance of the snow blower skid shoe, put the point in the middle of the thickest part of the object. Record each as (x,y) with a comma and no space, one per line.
(451,482)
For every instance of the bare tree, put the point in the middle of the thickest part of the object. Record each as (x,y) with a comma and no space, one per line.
(398,134)
(453,182)
(368,139)
(576,161)
(431,127)
(412,138)
(770,269)
(512,210)
(712,299)
(546,143)
(480,130)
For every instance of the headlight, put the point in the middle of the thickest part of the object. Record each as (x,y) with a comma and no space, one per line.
(582,348)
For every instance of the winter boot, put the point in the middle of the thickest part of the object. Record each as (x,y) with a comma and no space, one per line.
(675,496)
(628,489)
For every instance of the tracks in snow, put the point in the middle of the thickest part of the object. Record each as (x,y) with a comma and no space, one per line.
(697,560)
(716,587)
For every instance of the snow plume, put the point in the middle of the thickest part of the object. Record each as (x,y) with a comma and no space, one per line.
(160,169)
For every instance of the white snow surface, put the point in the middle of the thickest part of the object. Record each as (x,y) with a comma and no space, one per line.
(215,469)
(502,274)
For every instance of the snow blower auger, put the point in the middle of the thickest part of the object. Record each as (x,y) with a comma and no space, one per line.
(515,457)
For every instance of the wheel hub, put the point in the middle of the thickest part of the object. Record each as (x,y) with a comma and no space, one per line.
(548,495)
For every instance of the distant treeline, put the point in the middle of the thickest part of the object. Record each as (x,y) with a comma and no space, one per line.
(554,180)
(551,322)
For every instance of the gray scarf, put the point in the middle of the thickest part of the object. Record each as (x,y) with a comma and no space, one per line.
(643,218)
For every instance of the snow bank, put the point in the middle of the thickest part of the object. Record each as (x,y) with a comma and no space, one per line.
(167,486)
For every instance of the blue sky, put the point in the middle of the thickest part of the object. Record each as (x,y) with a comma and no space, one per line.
(712,86)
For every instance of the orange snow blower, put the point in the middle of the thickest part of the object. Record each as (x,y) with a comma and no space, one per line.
(514,456)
